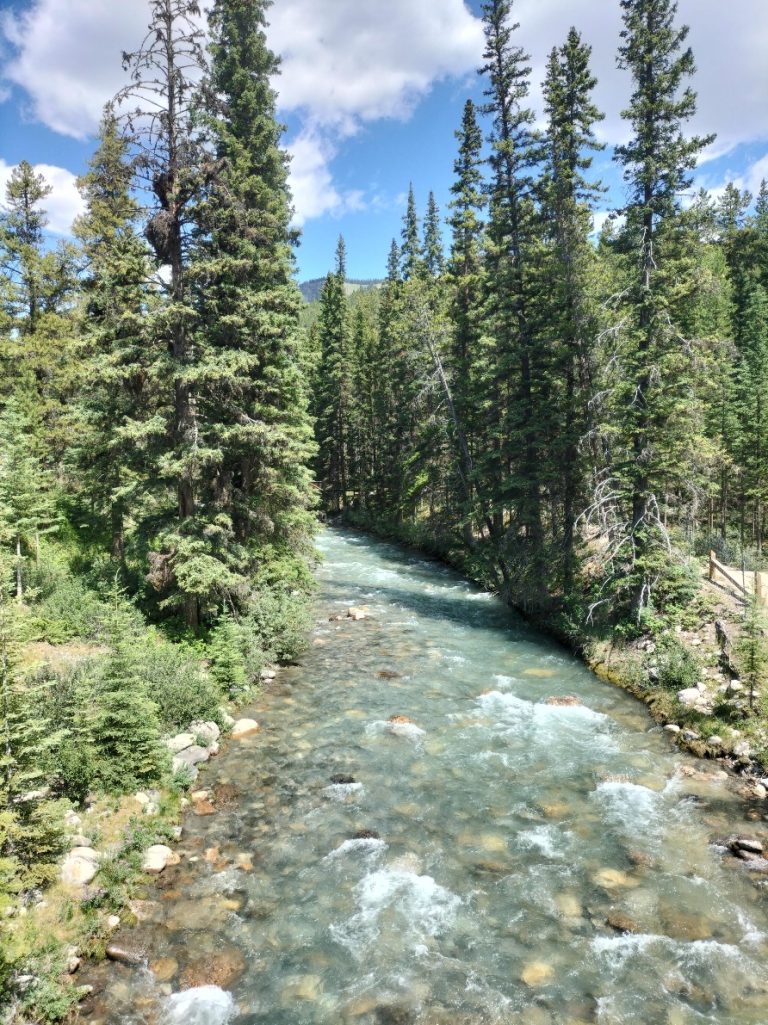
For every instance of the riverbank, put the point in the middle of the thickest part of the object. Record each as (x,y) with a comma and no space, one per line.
(687,675)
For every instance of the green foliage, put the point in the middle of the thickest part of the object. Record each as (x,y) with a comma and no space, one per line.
(676,665)
(181,690)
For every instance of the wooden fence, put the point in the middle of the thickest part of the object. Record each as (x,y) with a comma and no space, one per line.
(750,583)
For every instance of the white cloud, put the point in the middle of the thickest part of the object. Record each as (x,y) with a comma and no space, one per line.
(347,62)
(730,49)
(64,203)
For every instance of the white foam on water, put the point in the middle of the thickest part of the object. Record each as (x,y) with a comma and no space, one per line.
(204,1005)
(367,845)
(504,681)
(547,840)
(423,907)
(342,791)
(635,810)
(408,730)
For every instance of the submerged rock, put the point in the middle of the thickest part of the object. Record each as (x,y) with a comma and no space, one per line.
(621,922)
(566,701)
(207,1005)
(537,973)
(222,969)
(125,954)
(342,778)
(244,728)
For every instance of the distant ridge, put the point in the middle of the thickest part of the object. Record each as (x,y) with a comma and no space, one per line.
(311,289)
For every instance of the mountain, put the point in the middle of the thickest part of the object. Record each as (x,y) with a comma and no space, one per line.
(311,289)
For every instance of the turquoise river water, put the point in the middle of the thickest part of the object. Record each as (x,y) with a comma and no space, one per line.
(493,859)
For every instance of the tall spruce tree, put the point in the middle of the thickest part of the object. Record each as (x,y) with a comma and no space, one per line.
(114,420)
(656,402)
(513,471)
(566,304)
(411,253)
(334,393)
(434,258)
(251,398)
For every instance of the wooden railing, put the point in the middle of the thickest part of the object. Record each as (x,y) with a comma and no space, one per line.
(755,578)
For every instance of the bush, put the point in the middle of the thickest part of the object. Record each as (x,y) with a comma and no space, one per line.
(236,656)
(677,667)
(279,621)
(70,610)
(179,686)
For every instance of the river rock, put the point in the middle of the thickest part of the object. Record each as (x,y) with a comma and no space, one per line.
(747,843)
(222,969)
(190,757)
(537,973)
(357,614)
(689,696)
(672,727)
(79,841)
(305,987)
(613,879)
(742,749)
(180,742)
(206,733)
(157,858)
(244,728)
(621,922)
(164,969)
(80,866)
(566,701)
(125,954)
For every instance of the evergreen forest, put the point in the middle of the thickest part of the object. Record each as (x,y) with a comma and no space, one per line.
(572,417)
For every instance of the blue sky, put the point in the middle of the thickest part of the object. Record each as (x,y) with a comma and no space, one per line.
(371,93)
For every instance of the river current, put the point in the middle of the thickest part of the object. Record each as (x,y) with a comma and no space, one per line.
(417,836)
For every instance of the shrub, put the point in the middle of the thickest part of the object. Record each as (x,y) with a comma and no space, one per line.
(279,621)
(236,656)
(677,667)
(179,686)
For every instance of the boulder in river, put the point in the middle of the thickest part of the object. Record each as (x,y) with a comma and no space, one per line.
(180,742)
(621,922)
(222,969)
(357,614)
(205,733)
(244,728)
(157,858)
(342,778)
(566,701)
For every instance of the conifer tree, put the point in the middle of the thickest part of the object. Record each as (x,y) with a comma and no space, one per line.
(27,494)
(159,108)
(567,304)
(251,402)
(115,418)
(656,402)
(411,254)
(513,471)
(334,386)
(434,259)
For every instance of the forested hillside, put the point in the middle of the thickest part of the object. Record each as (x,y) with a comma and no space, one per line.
(570,414)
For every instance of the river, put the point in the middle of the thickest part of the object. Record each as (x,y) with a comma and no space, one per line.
(489,858)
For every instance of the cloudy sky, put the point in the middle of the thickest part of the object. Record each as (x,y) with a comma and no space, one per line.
(371,93)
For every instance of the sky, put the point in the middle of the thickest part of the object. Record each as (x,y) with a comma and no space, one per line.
(371,94)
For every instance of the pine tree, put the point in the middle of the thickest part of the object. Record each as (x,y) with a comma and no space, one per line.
(411,254)
(334,387)
(251,401)
(513,470)
(27,493)
(567,306)
(434,258)
(31,834)
(656,403)
(115,417)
